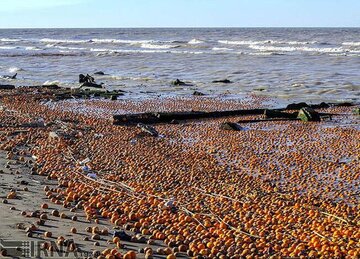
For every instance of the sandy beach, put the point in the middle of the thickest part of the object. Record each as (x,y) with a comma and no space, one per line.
(72,181)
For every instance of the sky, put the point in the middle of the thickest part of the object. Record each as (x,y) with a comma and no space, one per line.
(178,13)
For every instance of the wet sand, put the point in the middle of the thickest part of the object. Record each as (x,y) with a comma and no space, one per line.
(275,189)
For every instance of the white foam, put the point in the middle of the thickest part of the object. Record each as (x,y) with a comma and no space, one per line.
(101,50)
(351,44)
(32,48)
(241,42)
(14,69)
(8,47)
(156,46)
(67,48)
(250,42)
(49,83)
(296,42)
(114,51)
(132,42)
(221,49)
(9,40)
(195,42)
(46,40)
(265,53)
(292,49)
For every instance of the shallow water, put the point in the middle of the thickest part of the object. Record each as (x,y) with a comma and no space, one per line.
(297,64)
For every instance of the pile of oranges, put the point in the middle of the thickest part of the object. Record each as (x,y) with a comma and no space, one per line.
(283,189)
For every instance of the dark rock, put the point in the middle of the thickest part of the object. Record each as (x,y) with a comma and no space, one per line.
(148,129)
(231,126)
(99,73)
(10,77)
(296,106)
(308,114)
(7,87)
(86,79)
(113,97)
(122,235)
(179,82)
(223,81)
(197,93)
(322,105)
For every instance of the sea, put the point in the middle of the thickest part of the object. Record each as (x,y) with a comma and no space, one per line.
(293,64)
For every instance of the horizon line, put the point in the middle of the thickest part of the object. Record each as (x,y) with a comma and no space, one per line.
(190,27)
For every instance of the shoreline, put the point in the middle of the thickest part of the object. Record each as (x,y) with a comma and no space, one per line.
(196,190)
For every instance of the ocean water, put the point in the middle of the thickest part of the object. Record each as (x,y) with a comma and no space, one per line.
(289,63)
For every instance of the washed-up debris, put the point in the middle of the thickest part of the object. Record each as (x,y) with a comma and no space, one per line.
(86,93)
(222,81)
(308,114)
(197,93)
(9,77)
(231,126)
(148,129)
(178,82)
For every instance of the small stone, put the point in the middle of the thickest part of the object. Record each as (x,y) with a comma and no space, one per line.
(231,126)
(197,93)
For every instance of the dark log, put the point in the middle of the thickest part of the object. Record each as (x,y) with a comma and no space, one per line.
(278,114)
(166,117)
(7,87)
(267,120)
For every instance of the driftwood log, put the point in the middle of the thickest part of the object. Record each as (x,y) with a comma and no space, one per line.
(172,117)
(7,87)
(167,117)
